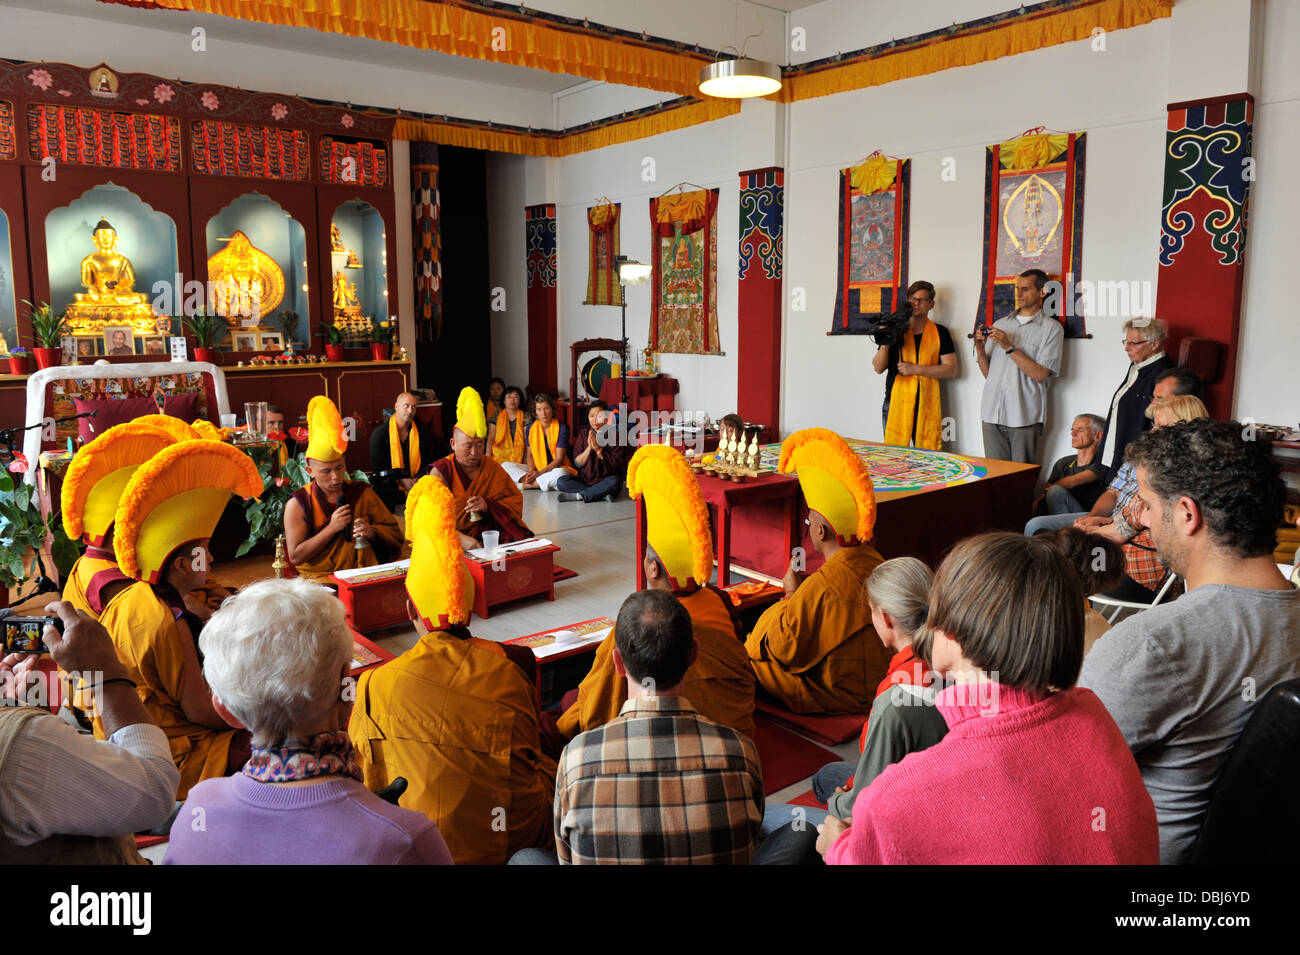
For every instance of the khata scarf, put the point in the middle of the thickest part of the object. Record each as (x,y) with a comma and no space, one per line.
(395,448)
(903,405)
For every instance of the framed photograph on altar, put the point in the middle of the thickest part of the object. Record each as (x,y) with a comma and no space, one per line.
(155,345)
(69,350)
(271,341)
(119,340)
(86,347)
(245,341)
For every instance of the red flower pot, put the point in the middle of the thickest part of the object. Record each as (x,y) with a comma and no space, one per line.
(17,364)
(334,352)
(48,357)
(379,350)
(205,354)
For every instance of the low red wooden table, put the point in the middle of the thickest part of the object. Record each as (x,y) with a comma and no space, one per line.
(366,655)
(562,643)
(515,575)
(376,600)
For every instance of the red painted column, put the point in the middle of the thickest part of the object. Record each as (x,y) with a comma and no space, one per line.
(762,221)
(542,298)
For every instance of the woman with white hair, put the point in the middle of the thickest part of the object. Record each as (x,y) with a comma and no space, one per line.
(278,656)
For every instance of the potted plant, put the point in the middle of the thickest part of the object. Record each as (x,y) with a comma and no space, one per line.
(48,330)
(381,340)
(207,330)
(18,361)
(332,335)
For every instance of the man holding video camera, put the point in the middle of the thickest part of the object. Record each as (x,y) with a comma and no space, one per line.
(66,798)
(913,360)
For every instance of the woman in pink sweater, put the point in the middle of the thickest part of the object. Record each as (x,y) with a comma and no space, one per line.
(1033,769)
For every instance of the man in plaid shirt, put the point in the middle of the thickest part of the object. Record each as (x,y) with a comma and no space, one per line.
(659,784)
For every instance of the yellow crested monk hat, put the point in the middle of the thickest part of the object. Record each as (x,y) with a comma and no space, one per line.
(438,581)
(99,472)
(471,420)
(325,439)
(177,496)
(834,480)
(677,519)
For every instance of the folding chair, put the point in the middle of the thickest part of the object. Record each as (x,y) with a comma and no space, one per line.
(1117,607)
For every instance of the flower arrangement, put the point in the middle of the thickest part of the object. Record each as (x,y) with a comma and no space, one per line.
(381,333)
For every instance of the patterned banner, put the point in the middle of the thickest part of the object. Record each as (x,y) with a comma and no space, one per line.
(759,292)
(603,249)
(251,152)
(426,240)
(684,297)
(369,166)
(1033,219)
(542,301)
(8,149)
(875,204)
(101,137)
(1208,171)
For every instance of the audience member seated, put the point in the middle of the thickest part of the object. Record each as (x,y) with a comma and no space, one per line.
(495,403)
(334,523)
(1033,770)
(484,498)
(731,426)
(275,656)
(1126,418)
(1099,562)
(275,425)
(548,447)
(602,462)
(1076,480)
(66,799)
(816,651)
(404,445)
(1179,380)
(659,783)
(1181,679)
(455,715)
(679,561)
(508,435)
(169,509)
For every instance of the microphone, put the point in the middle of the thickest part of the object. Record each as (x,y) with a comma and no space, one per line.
(358,541)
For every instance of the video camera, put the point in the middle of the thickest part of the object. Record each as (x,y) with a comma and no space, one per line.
(887,329)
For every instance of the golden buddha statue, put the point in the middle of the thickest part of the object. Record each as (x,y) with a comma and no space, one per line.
(347,310)
(110,298)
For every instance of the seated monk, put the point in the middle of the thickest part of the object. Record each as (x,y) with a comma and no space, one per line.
(483,495)
(816,651)
(333,523)
(169,509)
(679,560)
(455,715)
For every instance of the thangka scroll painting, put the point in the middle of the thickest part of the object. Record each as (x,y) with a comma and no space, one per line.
(1208,171)
(874,203)
(684,281)
(602,251)
(1033,219)
(426,239)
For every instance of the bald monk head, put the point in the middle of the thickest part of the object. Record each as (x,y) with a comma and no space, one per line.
(468,451)
(823,535)
(404,410)
(656,577)
(329,476)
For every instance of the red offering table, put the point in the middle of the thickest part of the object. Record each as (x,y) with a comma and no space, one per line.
(551,646)
(374,598)
(517,574)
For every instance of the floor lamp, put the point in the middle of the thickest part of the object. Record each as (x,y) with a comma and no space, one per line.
(630,272)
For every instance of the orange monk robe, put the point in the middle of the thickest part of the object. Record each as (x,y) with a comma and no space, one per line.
(720,683)
(341,553)
(504,499)
(816,651)
(148,642)
(459,721)
(94,573)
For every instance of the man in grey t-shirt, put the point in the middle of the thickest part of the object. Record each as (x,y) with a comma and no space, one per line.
(1182,680)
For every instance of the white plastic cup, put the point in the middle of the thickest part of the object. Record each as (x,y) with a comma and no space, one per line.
(228,420)
(491,539)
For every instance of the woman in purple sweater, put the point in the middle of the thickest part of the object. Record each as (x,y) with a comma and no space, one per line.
(278,657)
(1033,769)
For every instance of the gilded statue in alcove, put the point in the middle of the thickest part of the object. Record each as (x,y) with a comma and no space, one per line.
(110,297)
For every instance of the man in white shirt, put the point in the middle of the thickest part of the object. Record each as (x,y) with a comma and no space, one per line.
(1017,356)
(67,798)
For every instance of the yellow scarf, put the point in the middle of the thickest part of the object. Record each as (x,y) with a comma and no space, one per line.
(902,400)
(507,443)
(395,447)
(538,446)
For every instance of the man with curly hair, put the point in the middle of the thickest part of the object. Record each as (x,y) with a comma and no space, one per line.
(1181,680)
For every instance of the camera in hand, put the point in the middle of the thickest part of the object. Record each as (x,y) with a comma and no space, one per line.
(888,329)
(23,634)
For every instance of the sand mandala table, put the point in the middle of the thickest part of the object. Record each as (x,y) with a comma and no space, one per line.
(902,469)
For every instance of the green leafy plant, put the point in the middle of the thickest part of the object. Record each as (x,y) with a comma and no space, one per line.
(23,532)
(381,333)
(206,329)
(47,328)
(331,334)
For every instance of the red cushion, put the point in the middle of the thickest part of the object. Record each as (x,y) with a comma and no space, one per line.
(110,412)
(185,407)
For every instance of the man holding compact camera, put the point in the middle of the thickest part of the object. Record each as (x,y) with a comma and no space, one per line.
(915,359)
(66,798)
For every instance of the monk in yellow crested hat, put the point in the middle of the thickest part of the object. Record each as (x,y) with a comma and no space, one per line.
(484,497)
(168,511)
(678,559)
(455,715)
(816,651)
(178,429)
(335,523)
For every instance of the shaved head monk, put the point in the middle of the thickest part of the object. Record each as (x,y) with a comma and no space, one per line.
(334,523)
(483,495)
(816,651)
